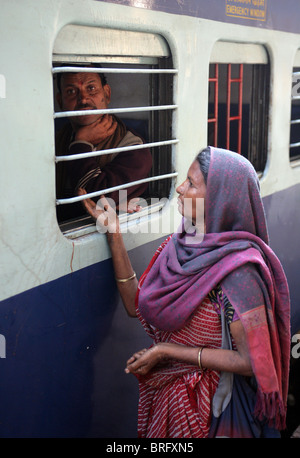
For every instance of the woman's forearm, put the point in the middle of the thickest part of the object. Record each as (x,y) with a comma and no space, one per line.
(123,271)
(211,358)
(106,217)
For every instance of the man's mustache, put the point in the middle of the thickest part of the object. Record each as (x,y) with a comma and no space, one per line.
(82,106)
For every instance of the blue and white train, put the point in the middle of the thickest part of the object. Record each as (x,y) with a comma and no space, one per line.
(184,73)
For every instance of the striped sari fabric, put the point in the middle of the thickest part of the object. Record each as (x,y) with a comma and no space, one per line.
(175,398)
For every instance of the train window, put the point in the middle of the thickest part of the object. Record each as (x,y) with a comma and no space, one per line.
(295,111)
(139,71)
(239,77)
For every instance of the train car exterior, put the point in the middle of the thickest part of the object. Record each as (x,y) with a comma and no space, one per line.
(64,336)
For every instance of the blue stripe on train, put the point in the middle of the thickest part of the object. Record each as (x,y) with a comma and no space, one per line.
(51,333)
(67,343)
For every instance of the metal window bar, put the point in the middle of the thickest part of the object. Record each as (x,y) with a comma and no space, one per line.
(238,118)
(215,80)
(295,145)
(78,69)
(74,157)
(67,114)
(91,195)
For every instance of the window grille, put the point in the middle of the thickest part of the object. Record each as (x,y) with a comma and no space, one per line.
(239,100)
(238,117)
(125,56)
(295,116)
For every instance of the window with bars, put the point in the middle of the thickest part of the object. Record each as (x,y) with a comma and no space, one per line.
(238,107)
(295,113)
(138,68)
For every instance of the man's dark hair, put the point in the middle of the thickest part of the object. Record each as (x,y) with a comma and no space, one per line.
(101,75)
(203,159)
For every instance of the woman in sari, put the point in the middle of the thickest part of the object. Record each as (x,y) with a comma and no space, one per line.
(215,301)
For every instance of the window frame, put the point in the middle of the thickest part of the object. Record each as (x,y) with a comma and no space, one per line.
(294,141)
(127,50)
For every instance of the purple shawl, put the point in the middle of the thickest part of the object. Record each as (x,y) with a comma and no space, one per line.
(235,254)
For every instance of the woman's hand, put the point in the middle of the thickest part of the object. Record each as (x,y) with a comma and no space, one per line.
(105,215)
(144,360)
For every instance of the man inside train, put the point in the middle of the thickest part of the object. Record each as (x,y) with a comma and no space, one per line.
(82,134)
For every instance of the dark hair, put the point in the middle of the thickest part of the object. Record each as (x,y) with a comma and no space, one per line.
(203,159)
(101,75)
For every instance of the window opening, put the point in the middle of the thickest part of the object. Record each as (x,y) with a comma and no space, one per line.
(239,101)
(295,116)
(142,97)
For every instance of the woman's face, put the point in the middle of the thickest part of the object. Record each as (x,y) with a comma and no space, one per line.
(192,193)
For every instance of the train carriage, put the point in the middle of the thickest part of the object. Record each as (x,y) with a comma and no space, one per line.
(183,74)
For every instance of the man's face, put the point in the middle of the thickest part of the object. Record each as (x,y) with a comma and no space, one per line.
(83,91)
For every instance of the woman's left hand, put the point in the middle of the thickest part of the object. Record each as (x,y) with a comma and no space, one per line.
(144,360)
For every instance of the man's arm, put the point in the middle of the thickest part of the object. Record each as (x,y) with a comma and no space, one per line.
(124,168)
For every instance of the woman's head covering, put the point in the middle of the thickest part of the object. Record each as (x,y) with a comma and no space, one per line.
(233,196)
(234,253)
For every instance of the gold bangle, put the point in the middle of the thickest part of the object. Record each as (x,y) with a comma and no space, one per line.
(199,358)
(124,280)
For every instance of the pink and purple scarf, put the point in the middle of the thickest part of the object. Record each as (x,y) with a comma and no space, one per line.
(235,254)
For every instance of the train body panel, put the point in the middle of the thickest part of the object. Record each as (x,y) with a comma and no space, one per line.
(66,334)
(254,13)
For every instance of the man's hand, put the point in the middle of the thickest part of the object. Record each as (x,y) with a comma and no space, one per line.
(98,131)
(130,207)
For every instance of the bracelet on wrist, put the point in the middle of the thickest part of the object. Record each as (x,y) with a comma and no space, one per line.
(124,280)
(199,358)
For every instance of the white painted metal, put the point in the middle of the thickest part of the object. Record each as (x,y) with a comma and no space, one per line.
(91,195)
(69,114)
(114,70)
(75,157)
(86,40)
(238,53)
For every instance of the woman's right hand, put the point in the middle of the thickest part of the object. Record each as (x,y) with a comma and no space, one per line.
(104,214)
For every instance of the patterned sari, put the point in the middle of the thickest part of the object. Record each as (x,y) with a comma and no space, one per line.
(176,390)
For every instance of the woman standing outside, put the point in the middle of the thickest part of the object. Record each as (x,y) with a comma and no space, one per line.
(215,301)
